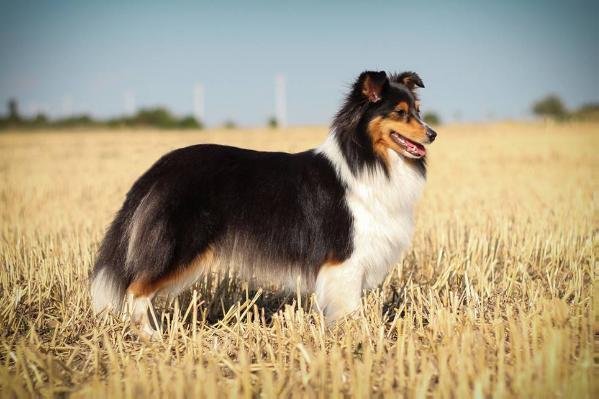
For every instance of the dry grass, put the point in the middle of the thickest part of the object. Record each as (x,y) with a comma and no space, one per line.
(495,298)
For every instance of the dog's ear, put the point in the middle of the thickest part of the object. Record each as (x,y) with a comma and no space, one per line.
(410,79)
(372,84)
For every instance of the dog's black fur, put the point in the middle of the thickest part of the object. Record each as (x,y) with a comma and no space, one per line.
(290,206)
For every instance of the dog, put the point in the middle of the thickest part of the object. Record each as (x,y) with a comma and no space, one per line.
(335,218)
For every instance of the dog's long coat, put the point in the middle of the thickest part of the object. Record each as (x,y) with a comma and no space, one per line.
(337,217)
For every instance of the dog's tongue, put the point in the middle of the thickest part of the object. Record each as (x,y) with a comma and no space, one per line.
(415,148)
(410,146)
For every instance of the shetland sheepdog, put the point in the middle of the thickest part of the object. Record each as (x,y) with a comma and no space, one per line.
(335,218)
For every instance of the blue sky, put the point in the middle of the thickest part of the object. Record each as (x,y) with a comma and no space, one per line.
(479,60)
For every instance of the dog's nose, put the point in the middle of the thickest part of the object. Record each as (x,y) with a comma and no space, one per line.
(431,134)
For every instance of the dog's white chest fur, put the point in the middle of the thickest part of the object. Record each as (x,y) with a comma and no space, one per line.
(382,207)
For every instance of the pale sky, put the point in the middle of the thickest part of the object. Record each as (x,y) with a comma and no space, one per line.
(479,60)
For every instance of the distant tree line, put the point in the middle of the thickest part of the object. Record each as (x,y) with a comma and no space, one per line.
(431,118)
(552,107)
(158,117)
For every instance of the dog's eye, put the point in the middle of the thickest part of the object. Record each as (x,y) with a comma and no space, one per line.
(401,113)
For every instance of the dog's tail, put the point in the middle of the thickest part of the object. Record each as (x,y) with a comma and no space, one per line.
(109,279)
(136,244)
(107,290)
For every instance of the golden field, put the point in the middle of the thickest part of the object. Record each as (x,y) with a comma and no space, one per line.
(495,299)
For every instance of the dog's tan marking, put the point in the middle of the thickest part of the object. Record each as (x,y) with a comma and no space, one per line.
(181,276)
(402,106)
(331,260)
(380,129)
(377,136)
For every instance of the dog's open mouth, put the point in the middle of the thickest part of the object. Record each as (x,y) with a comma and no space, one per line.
(413,148)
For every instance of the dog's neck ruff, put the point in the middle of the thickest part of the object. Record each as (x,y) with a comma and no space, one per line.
(404,179)
(382,207)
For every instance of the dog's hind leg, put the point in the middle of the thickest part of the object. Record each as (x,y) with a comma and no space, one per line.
(142,290)
(339,290)
(137,308)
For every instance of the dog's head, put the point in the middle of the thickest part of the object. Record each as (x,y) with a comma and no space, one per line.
(393,113)
(383,112)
